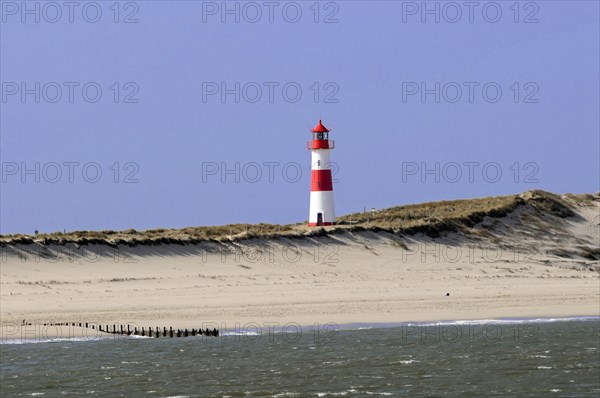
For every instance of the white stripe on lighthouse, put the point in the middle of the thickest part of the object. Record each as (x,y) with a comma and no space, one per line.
(321,202)
(320,159)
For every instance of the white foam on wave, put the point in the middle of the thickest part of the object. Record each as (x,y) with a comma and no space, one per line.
(68,339)
(352,390)
(508,321)
(407,362)
(248,333)
(53,340)
(473,322)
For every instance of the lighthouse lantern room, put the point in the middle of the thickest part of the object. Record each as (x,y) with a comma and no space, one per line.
(322,211)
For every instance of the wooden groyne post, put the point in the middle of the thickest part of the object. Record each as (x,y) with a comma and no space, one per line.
(150,332)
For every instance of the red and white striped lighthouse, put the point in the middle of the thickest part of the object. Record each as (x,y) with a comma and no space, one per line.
(322,211)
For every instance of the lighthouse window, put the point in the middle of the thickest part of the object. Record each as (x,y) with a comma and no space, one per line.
(318,162)
(320,136)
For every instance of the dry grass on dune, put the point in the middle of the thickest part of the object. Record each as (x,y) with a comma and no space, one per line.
(429,218)
(432,212)
(153,236)
(461,215)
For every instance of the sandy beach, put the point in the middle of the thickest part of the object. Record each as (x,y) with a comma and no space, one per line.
(346,277)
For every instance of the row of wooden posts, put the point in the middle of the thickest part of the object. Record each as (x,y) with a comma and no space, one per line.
(150,332)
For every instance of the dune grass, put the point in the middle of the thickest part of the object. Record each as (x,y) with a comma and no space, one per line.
(430,218)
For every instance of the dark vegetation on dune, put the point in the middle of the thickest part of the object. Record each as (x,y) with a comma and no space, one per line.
(431,219)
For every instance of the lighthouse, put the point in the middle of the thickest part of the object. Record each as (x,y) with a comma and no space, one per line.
(322,211)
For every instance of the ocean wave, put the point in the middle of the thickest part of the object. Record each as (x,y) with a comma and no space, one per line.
(15,341)
(231,333)
(474,322)
(50,340)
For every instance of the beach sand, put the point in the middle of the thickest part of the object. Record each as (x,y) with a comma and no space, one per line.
(349,277)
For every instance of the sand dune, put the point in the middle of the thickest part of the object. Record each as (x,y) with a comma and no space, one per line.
(531,260)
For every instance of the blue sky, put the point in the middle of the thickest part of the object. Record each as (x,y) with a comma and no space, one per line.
(173,151)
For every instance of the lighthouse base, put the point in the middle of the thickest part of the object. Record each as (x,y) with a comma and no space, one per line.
(323,224)
(322,211)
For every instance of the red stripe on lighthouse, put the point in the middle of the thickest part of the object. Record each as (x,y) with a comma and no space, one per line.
(320,144)
(321,180)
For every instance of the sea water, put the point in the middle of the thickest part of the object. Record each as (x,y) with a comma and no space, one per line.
(469,359)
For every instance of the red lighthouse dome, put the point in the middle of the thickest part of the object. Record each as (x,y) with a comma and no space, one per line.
(319,128)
